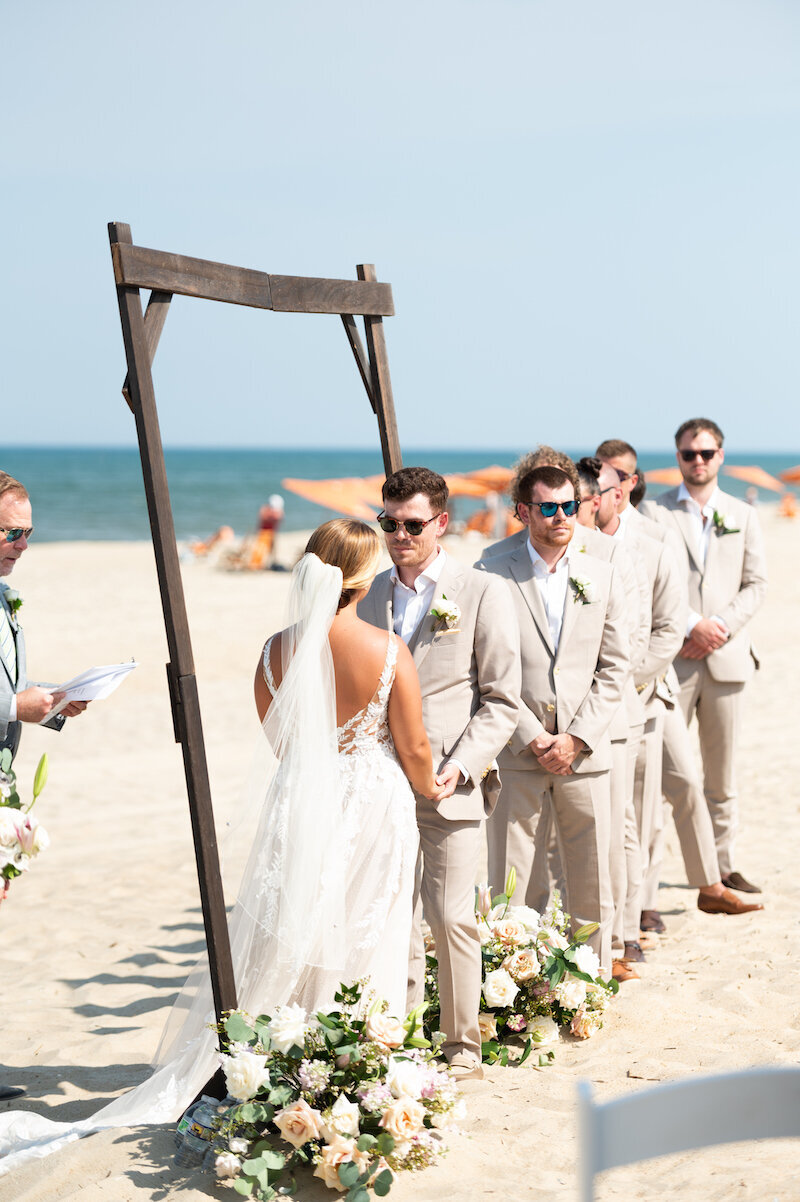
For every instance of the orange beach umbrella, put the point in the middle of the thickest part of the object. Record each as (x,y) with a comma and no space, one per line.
(664,475)
(754,475)
(791,475)
(360,496)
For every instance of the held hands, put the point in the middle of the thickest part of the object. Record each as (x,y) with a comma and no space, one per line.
(446,782)
(556,753)
(707,635)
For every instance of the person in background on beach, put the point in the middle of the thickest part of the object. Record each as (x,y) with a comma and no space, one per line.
(19,701)
(725,573)
(270,517)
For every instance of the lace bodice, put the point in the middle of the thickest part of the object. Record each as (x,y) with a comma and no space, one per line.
(370,726)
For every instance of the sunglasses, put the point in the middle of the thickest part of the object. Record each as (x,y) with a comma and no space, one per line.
(623,476)
(549,509)
(690,456)
(14,533)
(414,526)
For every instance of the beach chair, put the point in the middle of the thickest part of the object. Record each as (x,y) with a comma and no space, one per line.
(757,1103)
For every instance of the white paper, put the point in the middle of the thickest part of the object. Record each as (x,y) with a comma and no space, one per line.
(95,684)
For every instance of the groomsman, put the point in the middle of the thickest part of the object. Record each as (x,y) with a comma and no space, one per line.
(19,701)
(725,572)
(574,640)
(666,760)
(461,629)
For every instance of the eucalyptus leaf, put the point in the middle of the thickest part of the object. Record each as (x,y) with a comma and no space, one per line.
(237,1029)
(385,1144)
(244,1185)
(348,1173)
(365,1142)
(382,1183)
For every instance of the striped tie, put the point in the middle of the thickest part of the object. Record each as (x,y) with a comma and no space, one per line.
(8,648)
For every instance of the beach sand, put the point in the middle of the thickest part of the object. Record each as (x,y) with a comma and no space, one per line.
(98,937)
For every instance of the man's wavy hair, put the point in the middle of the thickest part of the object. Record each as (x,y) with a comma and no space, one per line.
(409,482)
(696,425)
(543,456)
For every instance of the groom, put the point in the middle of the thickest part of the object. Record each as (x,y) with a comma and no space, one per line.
(469,673)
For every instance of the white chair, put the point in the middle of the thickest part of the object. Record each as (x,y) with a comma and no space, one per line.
(758,1103)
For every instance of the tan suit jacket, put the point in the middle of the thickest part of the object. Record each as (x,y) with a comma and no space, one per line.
(575,689)
(731,585)
(469,677)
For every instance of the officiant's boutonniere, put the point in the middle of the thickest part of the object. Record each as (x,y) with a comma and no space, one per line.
(447,612)
(584,590)
(721,524)
(14,600)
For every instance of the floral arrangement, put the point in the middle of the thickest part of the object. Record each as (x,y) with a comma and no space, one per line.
(584,590)
(353,1093)
(446,611)
(21,836)
(536,980)
(721,526)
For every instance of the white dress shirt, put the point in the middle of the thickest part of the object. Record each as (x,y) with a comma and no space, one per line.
(410,606)
(552,586)
(703,523)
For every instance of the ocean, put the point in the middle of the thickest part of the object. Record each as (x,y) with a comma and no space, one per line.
(97,494)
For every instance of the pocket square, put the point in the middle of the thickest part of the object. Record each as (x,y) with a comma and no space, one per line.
(447,630)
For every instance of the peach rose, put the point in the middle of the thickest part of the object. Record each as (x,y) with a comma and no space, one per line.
(387,1031)
(403,1118)
(339,1151)
(298,1123)
(488,1026)
(522,965)
(510,932)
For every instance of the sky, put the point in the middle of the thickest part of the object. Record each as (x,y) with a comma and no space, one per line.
(588,214)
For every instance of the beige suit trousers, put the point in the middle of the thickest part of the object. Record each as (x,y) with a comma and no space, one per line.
(518,834)
(718,706)
(648,806)
(447,866)
(625,854)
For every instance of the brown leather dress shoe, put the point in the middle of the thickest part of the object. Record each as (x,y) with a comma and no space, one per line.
(735,880)
(621,971)
(633,953)
(651,921)
(727,903)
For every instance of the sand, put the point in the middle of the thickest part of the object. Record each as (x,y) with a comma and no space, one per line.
(99,936)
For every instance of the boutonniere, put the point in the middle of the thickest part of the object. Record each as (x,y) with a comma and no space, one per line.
(721,524)
(13,600)
(584,590)
(447,612)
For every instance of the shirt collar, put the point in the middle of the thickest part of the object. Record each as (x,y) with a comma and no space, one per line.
(710,506)
(431,575)
(540,568)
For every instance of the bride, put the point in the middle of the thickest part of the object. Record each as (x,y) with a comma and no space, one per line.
(326,896)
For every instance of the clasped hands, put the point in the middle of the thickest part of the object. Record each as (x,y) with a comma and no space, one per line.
(707,635)
(556,753)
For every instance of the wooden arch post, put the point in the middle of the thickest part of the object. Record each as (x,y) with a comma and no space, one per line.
(166,274)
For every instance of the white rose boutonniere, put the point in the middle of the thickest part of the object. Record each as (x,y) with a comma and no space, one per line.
(446,611)
(13,600)
(584,590)
(721,526)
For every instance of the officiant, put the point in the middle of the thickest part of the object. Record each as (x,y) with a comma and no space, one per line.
(20,701)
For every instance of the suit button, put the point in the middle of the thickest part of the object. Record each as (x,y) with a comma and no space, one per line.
(556,671)
(508,744)
(550,708)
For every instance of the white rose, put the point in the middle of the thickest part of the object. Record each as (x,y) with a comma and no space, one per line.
(404,1078)
(554,938)
(41,839)
(8,827)
(226,1165)
(523,965)
(544,1030)
(240,1146)
(498,988)
(586,960)
(245,1073)
(484,932)
(527,917)
(487,1025)
(570,992)
(287,1028)
(342,1119)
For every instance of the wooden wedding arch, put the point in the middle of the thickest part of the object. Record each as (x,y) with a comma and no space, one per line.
(165,275)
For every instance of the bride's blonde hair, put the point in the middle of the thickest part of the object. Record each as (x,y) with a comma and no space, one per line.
(351,546)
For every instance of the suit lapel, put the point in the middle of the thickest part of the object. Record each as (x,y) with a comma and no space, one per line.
(380,601)
(522,571)
(14,628)
(572,606)
(688,529)
(448,585)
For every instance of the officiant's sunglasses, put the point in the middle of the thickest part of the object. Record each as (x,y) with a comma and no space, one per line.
(414,526)
(549,509)
(690,456)
(14,533)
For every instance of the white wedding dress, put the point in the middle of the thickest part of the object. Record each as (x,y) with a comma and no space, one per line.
(327,894)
